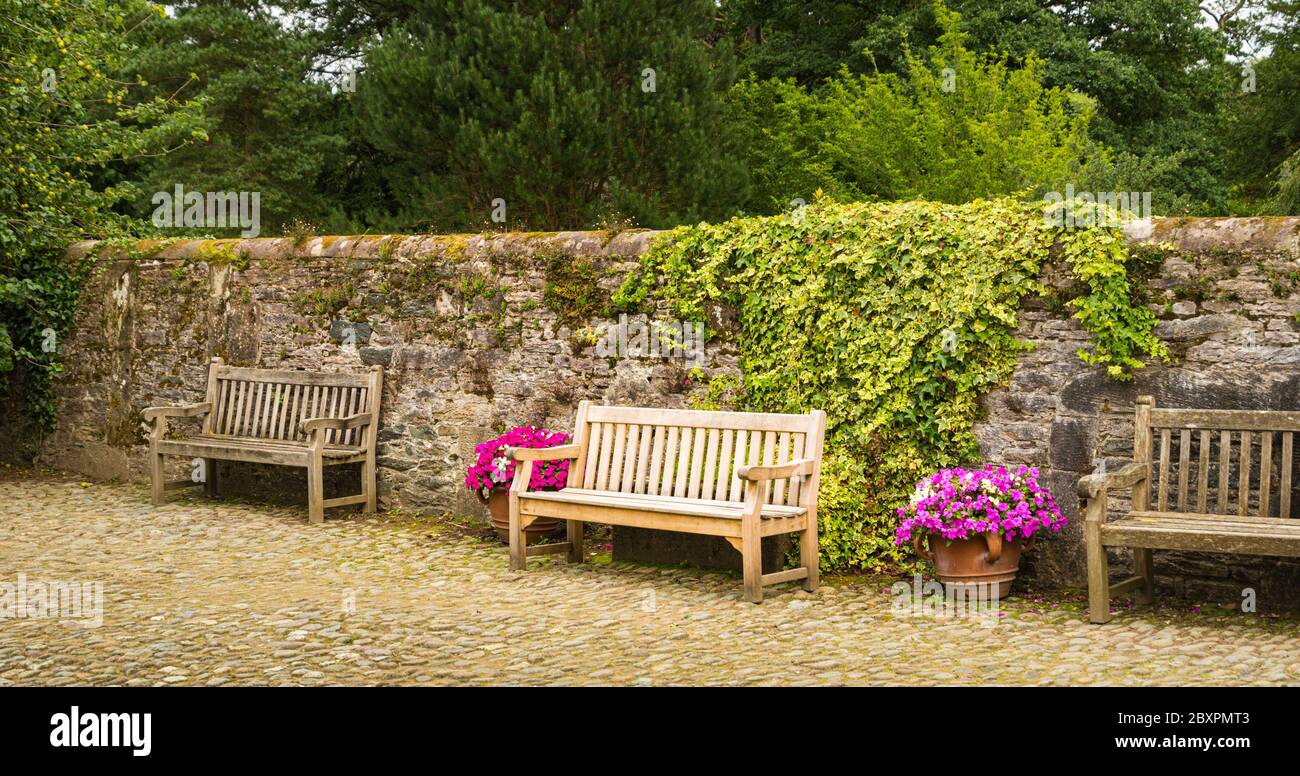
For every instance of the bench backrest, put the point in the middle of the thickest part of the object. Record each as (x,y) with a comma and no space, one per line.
(1216,462)
(693,454)
(272,403)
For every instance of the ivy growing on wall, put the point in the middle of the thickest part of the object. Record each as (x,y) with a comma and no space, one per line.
(894,318)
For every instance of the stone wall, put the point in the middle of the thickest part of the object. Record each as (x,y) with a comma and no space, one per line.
(480,332)
(1228,298)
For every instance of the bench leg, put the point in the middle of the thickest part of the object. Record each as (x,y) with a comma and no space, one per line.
(809,554)
(751,559)
(156,475)
(315,490)
(210,477)
(1098,574)
(1143,567)
(518,547)
(573,531)
(369,485)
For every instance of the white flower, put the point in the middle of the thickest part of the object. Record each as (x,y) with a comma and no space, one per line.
(499,473)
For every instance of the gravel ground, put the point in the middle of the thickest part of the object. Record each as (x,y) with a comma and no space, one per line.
(203,592)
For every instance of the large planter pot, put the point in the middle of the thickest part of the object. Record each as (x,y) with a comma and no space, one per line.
(498,505)
(979,560)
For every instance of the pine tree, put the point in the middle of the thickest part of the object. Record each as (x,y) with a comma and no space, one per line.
(272,124)
(564,113)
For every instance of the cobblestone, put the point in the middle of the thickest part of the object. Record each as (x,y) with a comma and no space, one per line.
(209,593)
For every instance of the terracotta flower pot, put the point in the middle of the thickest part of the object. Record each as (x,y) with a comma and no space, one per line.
(978,560)
(498,505)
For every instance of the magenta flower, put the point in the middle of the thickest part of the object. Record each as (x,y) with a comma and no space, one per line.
(960,503)
(492,470)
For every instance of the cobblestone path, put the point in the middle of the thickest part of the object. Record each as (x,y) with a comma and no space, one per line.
(202,592)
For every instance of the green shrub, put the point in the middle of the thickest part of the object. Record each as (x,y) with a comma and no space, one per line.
(895,319)
(955,127)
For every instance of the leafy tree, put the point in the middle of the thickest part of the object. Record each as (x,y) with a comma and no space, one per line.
(954,128)
(569,113)
(64,118)
(1264,129)
(272,125)
(1156,71)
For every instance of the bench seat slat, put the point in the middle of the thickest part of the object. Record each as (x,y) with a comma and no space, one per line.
(1208,521)
(255,450)
(730,510)
(1250,539)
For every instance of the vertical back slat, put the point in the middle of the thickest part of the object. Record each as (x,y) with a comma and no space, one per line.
(1141,450)
(315,407)
(1203,473)
(695,477)
(290,411)
(259,409)
(322,407)
(616,458)
(593,453)
(724,465)
(336,411)
(582,437)
(737,491)
(250,409)
(753,450)
(642,460)
(769,456)
(1243,476)
(1162,500)
(782,455)
(223,400)
(671,433)
(1225,453)
(1284,494)
(359,406)
(277,406)
(1265,472)
(268,404)
(656,461)
(627,481)
(795,497)
(683,463)
(341,410)
(602,463)
(236,421)
(710,465)
(1184,467)
(211,396)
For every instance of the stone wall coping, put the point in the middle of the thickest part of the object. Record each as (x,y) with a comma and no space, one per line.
(608,244)
(1270,233)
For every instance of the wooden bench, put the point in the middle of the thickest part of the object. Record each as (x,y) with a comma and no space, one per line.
(291,418)
(1240,502)
(741,476)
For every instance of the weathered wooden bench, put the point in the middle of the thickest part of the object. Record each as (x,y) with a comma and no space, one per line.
(286,417)
(1234,506)
(738,475)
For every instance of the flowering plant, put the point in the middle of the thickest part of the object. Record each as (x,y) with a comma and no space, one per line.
(494,470)
(960,503)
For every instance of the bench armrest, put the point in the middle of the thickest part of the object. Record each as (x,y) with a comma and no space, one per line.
(561,453)
(776,472)
(1095,485)
(311,425)
(187,411)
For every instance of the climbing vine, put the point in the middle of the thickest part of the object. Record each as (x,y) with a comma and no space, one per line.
(894,318)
